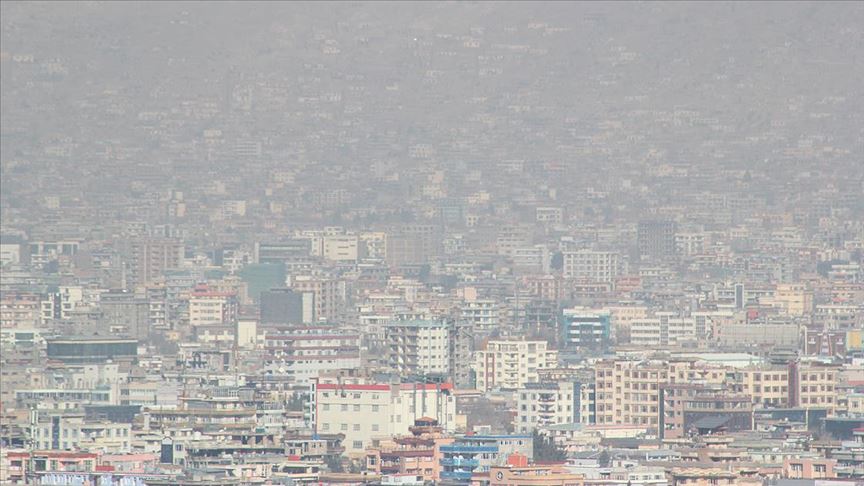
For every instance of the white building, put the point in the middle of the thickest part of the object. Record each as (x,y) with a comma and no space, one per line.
(340,248)
(418,347)
(596,266)
(664,329)
(545,404)
(511,364)
(367,411)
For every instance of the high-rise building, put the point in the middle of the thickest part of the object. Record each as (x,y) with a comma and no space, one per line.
(430,347)
(328,296)
(210,307)
(510,364)
(544,404)
(412,244)
(656,239)
(285,306)
(585,329)
(128,311)
(147,259)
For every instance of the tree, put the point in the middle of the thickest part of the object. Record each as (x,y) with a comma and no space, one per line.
(546,450)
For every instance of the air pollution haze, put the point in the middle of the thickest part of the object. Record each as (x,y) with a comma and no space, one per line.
(415,243)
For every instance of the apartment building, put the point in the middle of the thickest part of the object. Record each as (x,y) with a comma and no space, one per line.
(305,352)
(147,259)
(207,306)
(586,329)
(664,329)
(481,314)
(364,411)
(800,384)
(629,391)
(328,295)
(595,266)
(418,346)
(543,404)
(510,364)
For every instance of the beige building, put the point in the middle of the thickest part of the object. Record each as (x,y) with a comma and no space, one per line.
(365,411)
(628,391)
(794,299)
(596,266)
(328,295)
(212,307)
(341,248)
(511,364)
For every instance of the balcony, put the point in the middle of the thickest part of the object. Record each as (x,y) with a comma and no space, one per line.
(459,462)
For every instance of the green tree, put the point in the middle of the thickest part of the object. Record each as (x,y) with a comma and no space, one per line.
(546,450)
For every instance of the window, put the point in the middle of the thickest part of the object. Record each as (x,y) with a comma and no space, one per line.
(358,444)
(356,427)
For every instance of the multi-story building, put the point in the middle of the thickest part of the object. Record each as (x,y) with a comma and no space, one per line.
(305,352)
(539,405)
(474,454)
(70,431)
(210,307)
(282,252)
(481,314)
(364,411)
(689,407)
(328,295)
(149,258)
(510,364)
(285,306)
(585,329)
(656,239)
(412,244)
(20,310)
(532,259)
(664,329)
(418,347)
(341,248)
(126,310)
(794,299)
(591,265)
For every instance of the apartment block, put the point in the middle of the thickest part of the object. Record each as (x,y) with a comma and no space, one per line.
(510,365)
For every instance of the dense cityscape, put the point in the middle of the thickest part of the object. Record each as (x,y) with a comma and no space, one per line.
(416,243)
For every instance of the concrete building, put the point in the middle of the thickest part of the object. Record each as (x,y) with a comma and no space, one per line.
(210,307)
(341,248)
(664,329)
(585,329)
(481,314)
(364,411)
(328,296)
(511,364)
(147,259)
(125,310)
(656,239)
(285,306)
(418,347)
(591,265)
(540,405)
(305,352)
